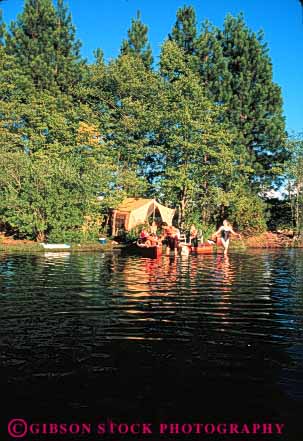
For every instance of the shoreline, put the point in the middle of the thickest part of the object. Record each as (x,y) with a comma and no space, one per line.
(267,240)
(35,247)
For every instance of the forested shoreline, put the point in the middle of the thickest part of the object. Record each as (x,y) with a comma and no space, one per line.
(201,129)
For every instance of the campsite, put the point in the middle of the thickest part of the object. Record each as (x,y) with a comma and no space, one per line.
(151,220)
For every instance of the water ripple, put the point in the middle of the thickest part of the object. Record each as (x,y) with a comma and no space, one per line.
(210,316)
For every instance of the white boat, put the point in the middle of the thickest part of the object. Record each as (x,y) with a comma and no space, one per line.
(55,246)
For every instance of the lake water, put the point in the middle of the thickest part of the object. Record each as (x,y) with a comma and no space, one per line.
(200,339)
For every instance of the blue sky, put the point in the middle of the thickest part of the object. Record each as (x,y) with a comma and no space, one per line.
(104,23)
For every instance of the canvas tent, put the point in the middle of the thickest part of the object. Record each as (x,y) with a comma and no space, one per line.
(135,211)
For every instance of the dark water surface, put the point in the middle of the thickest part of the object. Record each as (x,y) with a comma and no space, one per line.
(91,337)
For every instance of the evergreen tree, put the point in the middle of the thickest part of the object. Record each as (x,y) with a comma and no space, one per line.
(67,49)
(195,145)
(15,92)
(253,101)
(99,56)
(212,66)
(31,40)
(137,42)
(43,41)
(184,32)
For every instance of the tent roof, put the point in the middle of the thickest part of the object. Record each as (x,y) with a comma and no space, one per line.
(139,209)
(131,204)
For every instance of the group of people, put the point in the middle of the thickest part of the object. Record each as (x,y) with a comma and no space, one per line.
(148,235)
(170,236)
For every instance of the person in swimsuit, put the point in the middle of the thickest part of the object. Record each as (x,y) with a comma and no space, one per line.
(224,232)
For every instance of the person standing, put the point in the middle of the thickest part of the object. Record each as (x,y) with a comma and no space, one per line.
(224,233)
(170,238)
(193,236)
(177,235)
(153,229)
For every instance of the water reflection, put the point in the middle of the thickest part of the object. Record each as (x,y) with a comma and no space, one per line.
(108,333)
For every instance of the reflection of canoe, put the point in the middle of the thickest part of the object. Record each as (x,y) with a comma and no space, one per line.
(55,246)
(152,252)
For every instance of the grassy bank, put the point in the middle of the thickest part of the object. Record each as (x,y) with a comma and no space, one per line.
(25,246)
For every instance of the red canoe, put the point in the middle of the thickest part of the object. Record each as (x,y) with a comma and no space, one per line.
(201,249)
(138,248)
(152,252)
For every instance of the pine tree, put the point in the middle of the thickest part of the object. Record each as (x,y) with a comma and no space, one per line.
(43,41)
(211,65)
(195,145)
(99,56)
(68,58)
(253,100)
(137,42)
(184,32)
(31,40)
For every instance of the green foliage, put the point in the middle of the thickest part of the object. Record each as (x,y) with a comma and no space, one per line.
(246,210)
(254,101)
(43,42)
(137,42)
(205,230)
(212,65)
(204,133)
(124,97)
(279,214)
(76,236)
(235,70)
(134,233)
(184,32)
(196,146)
(51,197)
(294,185)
